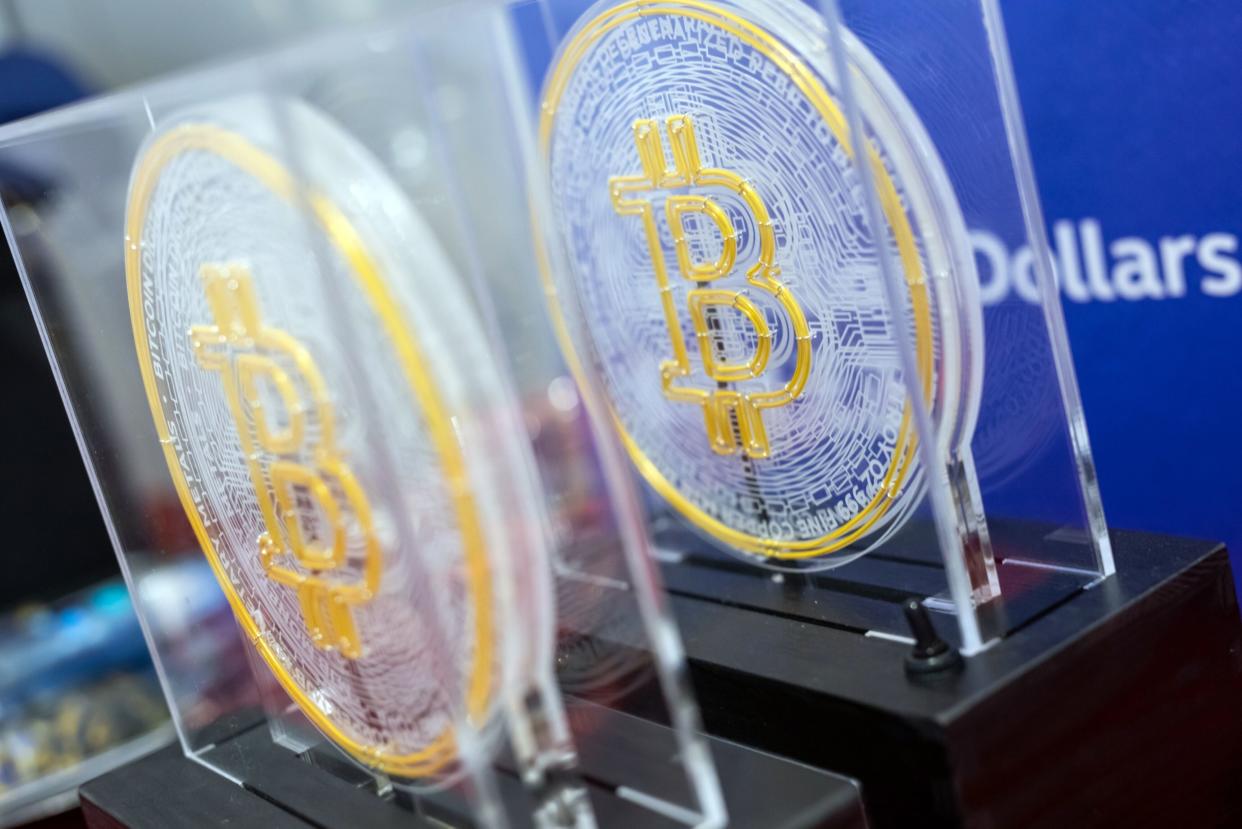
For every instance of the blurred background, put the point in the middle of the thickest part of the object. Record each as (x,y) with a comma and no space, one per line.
(1132,113)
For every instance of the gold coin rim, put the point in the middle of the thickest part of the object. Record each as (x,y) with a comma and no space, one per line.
(809,84)
(236,149)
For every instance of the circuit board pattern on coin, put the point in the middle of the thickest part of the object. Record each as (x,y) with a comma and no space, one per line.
(708,194)
(299,412)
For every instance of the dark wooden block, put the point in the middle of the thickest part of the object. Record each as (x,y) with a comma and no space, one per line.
(1114,705)
(282,791)
(167,790)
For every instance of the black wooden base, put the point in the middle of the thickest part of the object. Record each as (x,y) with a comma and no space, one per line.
(1118,704)
(282,791)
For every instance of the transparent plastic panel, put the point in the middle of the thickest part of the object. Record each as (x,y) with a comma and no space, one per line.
(252,247)
(65,223)
(617,652)
(294,309)
(1015,482)
(812,402)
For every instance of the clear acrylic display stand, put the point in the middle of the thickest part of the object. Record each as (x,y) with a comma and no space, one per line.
(293,309)
(792,342)
(1027,455)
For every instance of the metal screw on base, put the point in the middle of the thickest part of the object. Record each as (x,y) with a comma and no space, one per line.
(563,804)
(930,653)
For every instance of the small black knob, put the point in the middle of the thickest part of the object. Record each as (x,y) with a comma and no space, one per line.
(930,652)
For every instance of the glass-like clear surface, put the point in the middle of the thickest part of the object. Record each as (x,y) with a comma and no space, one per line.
(1021,491)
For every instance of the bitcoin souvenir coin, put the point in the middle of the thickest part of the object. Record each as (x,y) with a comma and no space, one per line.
(306,350)
(706,188)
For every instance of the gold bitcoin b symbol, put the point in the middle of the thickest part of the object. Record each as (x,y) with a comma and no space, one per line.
(319,537)
(730,415)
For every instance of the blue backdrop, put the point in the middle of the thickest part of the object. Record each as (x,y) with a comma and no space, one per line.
(1134,113)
